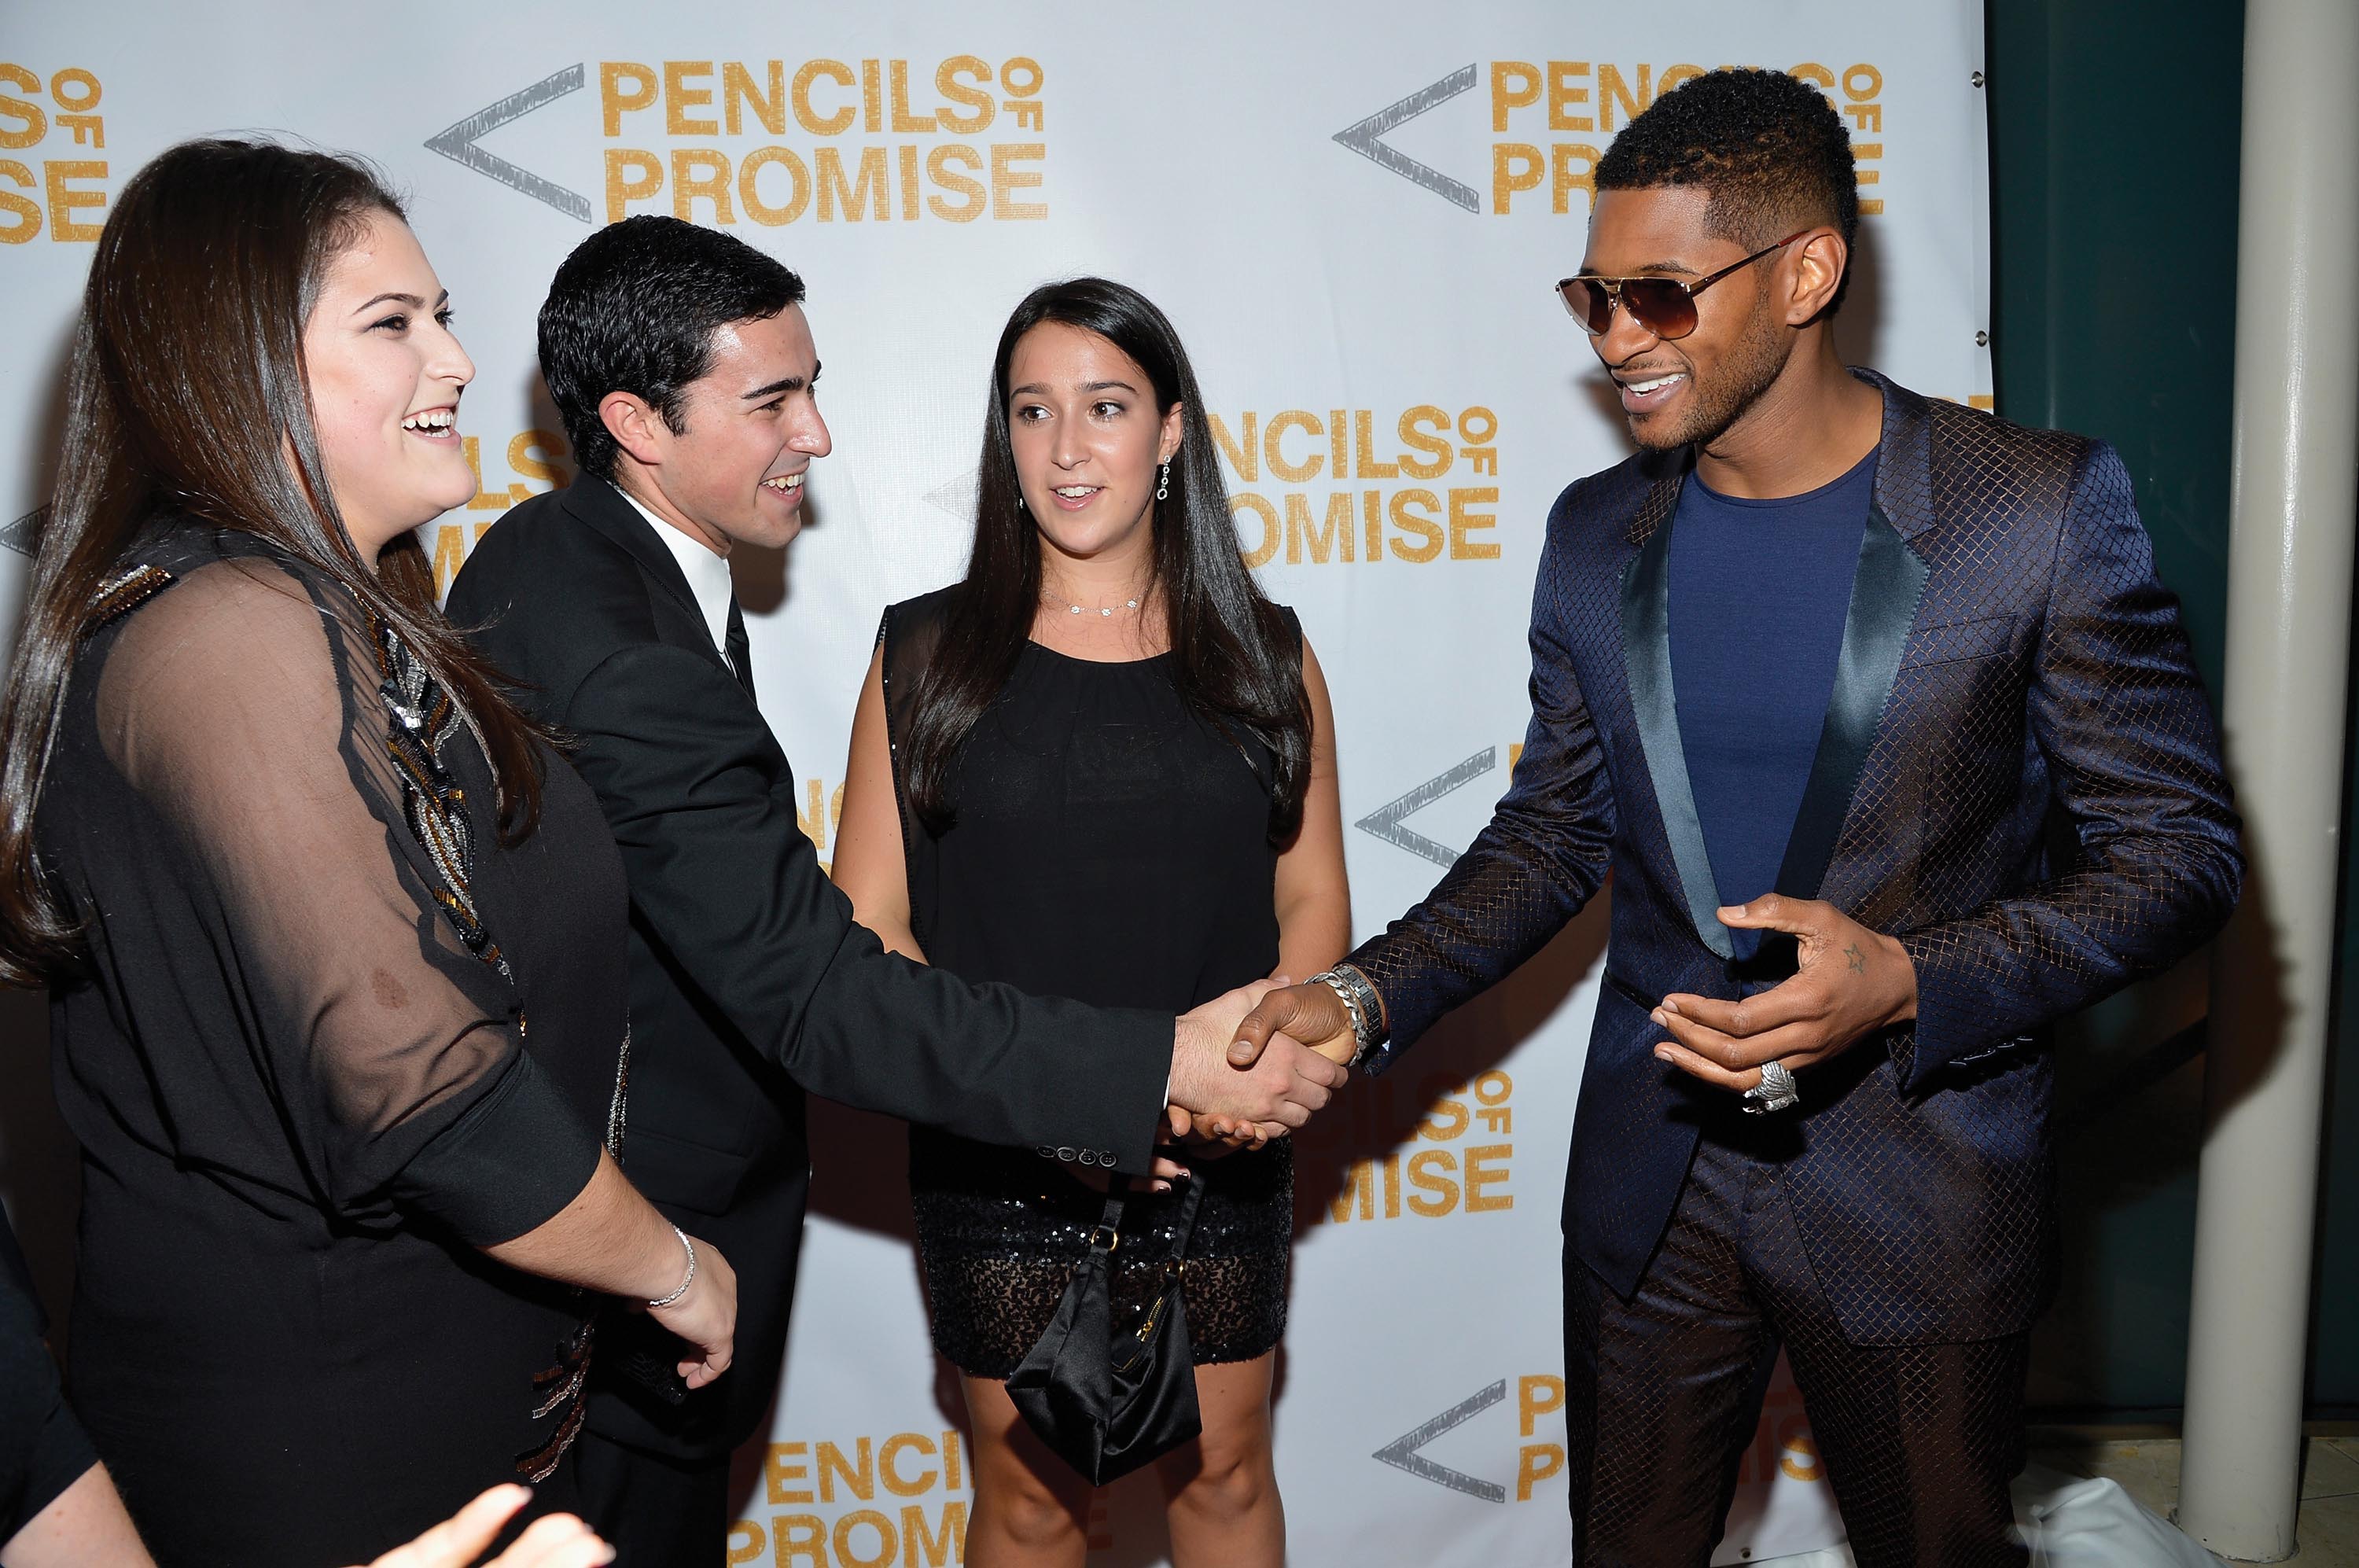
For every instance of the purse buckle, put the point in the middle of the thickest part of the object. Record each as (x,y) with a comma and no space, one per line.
(1104,1239)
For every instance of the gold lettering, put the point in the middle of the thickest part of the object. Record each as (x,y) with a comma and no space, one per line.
(748,186)
(679,98)
(631,175)
(615,102)
(808,118)
(1007,180)
(938,169)
(738,93)
(1515,166)
(854,198)
(700,172)
(1504,98)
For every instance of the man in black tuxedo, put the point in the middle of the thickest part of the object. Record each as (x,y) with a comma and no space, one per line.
(684,369)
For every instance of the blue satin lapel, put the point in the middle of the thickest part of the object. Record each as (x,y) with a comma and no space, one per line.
(1885,592)
(1647,657)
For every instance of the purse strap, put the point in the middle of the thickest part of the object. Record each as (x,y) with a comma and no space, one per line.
(1108,1234)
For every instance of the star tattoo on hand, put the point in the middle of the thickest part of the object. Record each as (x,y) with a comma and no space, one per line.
(1858,959)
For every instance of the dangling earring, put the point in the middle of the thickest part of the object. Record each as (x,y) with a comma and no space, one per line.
(1163,483)
(1019,503)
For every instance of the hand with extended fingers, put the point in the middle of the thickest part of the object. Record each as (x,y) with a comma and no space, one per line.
(559,1541)
(1850,982)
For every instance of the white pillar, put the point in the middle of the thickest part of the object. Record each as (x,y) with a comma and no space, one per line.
(2289,590)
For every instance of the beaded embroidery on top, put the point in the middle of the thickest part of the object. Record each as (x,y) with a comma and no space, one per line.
(124,592)
(421,719)
(424,719)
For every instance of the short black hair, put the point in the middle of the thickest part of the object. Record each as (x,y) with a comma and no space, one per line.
(1768,147)
(635,309)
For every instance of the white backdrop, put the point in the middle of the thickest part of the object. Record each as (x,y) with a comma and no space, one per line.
(1354,213)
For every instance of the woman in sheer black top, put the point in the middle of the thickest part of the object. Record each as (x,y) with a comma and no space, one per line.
(334,939)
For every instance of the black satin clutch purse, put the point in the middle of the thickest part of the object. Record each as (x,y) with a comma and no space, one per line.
(1108,1407)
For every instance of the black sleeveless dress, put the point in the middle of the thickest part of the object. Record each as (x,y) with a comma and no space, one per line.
(299,1066)
(1110,847)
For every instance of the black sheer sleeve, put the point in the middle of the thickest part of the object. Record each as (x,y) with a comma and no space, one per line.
(243,705)
(43,1450)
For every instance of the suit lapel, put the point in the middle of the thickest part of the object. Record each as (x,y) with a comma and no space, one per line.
(1887,592)
(601,507)
(1647,657)
(1886,587)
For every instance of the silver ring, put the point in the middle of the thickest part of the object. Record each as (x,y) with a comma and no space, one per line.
(1775,1091)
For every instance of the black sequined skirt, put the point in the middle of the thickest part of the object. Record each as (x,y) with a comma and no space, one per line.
(1002,1232)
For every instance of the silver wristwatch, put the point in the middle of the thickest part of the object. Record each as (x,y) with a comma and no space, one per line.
(1362,1003)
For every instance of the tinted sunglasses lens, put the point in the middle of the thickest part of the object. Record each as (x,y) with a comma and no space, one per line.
(1590,305)
(1660,305)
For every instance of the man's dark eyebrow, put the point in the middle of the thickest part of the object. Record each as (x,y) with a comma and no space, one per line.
(779,388)
(412,301)
(1681,267)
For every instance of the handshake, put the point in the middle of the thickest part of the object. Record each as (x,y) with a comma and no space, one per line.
(1255,1063)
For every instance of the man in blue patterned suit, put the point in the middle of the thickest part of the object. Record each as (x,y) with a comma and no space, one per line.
(1873,711)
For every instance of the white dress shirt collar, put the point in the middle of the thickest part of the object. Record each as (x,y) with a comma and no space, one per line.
(707,573)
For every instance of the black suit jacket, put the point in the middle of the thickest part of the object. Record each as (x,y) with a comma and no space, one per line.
(750,983)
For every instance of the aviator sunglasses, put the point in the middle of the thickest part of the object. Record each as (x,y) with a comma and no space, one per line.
(1664,306)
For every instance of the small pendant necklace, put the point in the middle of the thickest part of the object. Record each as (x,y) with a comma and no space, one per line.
(1108,610)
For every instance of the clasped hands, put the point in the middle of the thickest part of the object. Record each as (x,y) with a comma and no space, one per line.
(1222,1099)
(1850,981)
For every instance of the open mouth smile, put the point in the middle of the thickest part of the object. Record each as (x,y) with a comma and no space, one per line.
(1644,394)
(1073,497)
(433,424)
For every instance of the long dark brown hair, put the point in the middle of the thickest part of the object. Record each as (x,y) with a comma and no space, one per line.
(204,275)
(1237,661)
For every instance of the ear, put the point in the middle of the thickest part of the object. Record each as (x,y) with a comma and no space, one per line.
(637,428)
(1174,423)
(1815,272)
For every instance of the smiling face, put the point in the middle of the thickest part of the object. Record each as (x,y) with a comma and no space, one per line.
(1692,389)
(385,378)
(750,427)
(1088,440)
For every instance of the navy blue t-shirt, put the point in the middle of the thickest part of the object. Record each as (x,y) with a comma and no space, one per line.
(1759,591)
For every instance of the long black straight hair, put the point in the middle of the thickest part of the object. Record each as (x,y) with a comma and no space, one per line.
(1237,660)
(204,275)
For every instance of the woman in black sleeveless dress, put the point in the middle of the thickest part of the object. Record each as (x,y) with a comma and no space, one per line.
(301,885)
(1102,767)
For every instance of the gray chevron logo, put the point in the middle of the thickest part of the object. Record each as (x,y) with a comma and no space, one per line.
(1402,1452)
(1366,138)
(1384,822)
(24,533)
(458,143)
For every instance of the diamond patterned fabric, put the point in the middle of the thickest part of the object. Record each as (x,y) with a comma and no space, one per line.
(1663,1393)
(2041,818)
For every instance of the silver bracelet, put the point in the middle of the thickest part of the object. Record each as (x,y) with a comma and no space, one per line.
(1334,982)
(1361,1002)
(684,1284)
